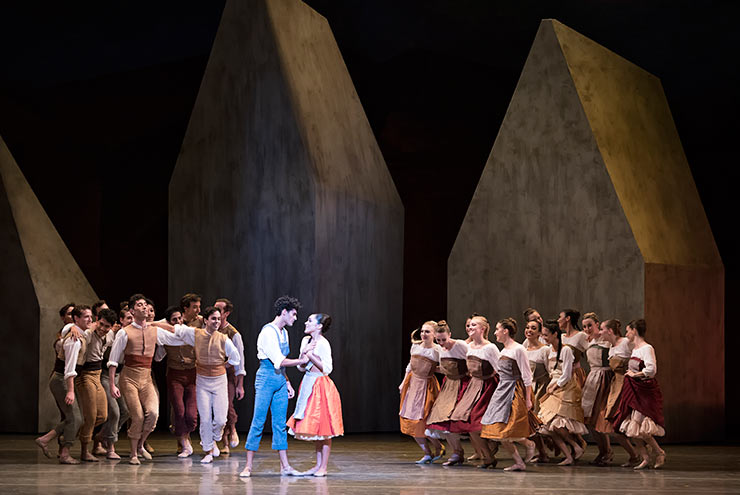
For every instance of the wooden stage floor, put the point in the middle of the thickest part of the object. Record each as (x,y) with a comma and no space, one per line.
(359,464)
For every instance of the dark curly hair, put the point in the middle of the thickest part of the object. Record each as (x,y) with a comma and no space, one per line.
(287,303)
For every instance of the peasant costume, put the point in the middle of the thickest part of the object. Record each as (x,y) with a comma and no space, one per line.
(318,409)
(579,343)
(619,358)
(419,389)
(562,408)
(640,409)
(482,365)
(596,389)
(453,363)
(538,359)
(507,416)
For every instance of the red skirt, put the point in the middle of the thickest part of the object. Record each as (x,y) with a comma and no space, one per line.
(445,425)
(643,396)
(473,424)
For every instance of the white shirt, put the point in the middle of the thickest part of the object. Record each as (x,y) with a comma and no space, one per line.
(431,353)
(239,344)
(322,351)
(647,354)
(622,349)
(579,340)
(71,353)
(119,345)
(566,358)
(186,335)
(488,352)
(459,350)
(539,355)
(268,345)
(519,354)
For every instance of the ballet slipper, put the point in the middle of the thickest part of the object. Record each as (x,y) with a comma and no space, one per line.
(234,440)
(319,474)
(568,461)
(68,460)
(146,455)
(215,451)
(207,459)
(186,452)
(425,460)
(246,473)
(644,464)
(134,461)
(88,457)
(289,471)
(112,456)
(659,460)
(453,460)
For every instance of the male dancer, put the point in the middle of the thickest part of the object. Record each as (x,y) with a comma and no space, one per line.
(234,374)
(212,350)
(181,375)
(117,410)
(136,344)
(272,388)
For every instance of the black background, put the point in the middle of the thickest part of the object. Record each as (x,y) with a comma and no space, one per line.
(95,100)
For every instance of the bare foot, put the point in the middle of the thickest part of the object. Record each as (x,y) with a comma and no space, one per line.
(577,452)
(515,467)
(319,474)
(68,460)
(88,457)
(44,446)
(659,460)
(111,454)
(568,461)
(98,448)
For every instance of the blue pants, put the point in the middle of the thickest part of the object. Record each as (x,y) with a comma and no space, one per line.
(270,392)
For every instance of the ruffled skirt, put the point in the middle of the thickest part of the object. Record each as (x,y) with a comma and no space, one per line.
(562,409)
(323,414)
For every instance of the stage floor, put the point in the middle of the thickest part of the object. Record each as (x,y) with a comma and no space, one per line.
(359,464)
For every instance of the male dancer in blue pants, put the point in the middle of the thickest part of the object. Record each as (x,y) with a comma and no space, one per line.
(272,388)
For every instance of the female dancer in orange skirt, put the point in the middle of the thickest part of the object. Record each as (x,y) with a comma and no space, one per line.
(482,362)
(419,390)
(561,410)
(452,362)
(507,417)
(620,351)
(640,411)
(318,410)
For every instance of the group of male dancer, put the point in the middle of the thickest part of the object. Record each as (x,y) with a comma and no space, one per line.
(103,378)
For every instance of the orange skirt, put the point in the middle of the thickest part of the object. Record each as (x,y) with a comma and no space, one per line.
(520,425)
(323,416)
(415,428)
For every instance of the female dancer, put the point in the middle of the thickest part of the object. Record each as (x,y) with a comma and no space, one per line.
(482,362)
(318,410)
(560,410)
(507,416)
(419,390)
(538,355)
(452,362)
(596,389)
(576,339)
(640,410)
(620,351)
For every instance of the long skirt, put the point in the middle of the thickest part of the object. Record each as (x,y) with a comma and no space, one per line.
(471,412)
(518,426)
(414,423)
(323,414)
(640,409)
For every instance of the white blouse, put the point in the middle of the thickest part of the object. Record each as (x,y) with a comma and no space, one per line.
(579,340)
(459,350)
(622,349)
(540,355)
(519,354)
(488,352)
(323,352)
(566,358)
(647,354)
(431,353)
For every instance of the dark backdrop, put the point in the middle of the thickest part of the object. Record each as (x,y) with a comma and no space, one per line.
(94,102)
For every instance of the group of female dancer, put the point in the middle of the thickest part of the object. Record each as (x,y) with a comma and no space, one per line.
(537,393)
